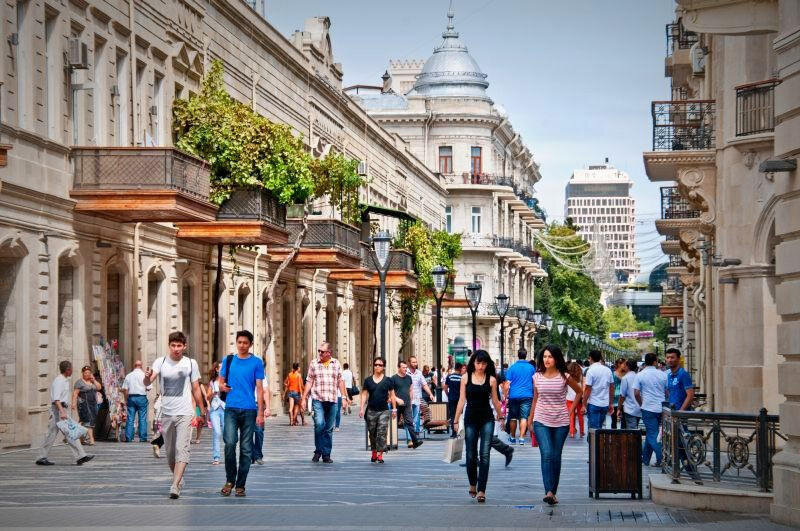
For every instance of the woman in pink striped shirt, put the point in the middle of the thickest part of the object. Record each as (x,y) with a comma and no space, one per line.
(549,416)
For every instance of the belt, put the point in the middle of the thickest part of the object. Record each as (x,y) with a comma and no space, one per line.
(137,395)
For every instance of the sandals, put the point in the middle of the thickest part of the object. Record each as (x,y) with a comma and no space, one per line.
(472,492)
(481,498)
(550,500)
(240,492)
(226,489)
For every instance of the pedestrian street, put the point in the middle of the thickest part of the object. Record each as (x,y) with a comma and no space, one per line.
(126,487)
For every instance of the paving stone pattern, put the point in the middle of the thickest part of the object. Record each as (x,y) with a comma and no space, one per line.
(125,486)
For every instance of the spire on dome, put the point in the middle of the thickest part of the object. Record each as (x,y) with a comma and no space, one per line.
(451,28)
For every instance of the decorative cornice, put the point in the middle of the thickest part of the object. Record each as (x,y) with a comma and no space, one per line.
(747,271)
(700,157)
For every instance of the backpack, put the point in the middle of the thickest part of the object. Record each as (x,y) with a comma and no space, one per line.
(223,394)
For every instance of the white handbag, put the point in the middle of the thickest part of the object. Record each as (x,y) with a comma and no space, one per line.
(71,429)
(454,450)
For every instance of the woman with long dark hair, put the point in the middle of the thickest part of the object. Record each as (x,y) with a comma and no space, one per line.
(549,416)
(478,392)
(216,412)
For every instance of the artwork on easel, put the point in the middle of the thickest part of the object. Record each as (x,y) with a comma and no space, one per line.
(112,374)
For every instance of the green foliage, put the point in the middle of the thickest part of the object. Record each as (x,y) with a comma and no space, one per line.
(429,249)
(246,150)
(661,328)
(621,319)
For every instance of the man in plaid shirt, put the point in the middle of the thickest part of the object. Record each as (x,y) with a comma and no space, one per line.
(324,378)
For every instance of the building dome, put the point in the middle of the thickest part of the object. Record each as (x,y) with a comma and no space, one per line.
(451,71)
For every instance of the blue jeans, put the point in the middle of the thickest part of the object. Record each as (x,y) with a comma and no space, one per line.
(217,417)
(239,426)
(596,416)
(551,443)
(136,404)
(651,423)
(415,416)
(478,459)
(258,442)
(324,420)
(338,411)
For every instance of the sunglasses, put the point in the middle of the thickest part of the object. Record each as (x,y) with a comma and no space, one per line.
(378,365)
(322,351)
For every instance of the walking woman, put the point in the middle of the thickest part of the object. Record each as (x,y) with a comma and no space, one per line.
(376,393)
(620,370)
(293,390)
(478,391)
(84,399)
(549,414)
(216,412)
(576,371)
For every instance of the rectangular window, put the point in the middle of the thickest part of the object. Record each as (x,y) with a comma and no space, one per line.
(99,93)
(476,164)
(158,103)
(138,105)
(448,219)
(445,159)
(51,75)
(122,109)
(476,219)
(23,65)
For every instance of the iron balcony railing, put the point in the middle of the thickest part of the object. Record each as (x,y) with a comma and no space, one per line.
(679,38)
(146,168)
(258,205)
(675,206)
(675,261)
(505,242)
(682,125)
(755,107)
(327,234)
(721,447)
(399,259)
(473,239)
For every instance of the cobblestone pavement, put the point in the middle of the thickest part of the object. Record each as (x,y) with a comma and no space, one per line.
(125,486)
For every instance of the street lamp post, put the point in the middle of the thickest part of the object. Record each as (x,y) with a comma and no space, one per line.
(537,319)
(440,281)
(522,318)
(473,292)
(501,305)
(381,246)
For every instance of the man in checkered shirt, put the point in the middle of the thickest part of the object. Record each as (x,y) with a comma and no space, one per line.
(324,378)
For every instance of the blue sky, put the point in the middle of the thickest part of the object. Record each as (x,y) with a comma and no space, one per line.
(576,76)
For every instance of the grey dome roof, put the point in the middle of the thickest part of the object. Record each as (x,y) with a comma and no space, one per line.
(451,71)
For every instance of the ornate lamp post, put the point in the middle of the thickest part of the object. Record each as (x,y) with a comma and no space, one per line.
(501,305)
(537,320)
(522,317)
(440,282)
(382,243)
(473,292)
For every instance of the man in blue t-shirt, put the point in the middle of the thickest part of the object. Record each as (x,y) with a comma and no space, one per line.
(241,378)
(520,395)
(679,382)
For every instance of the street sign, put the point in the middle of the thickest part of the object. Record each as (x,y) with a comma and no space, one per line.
(640,334)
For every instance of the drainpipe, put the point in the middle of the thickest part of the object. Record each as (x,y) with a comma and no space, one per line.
(708,306)
(700,310)
(135,294)
(256,300)
(313,312)
(428,122)
(132,40)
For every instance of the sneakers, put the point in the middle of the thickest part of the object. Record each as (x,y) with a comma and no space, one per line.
(156,451)
(380,457)
(84,459)
(416,444)
(44,462)
(521,441)
(327,459)
(175,491)
(316,457)
(509,456)
(374,456)
(259,461)
(512,440)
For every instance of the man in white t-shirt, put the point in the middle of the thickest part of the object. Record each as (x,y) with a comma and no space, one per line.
(60,392)
(135,393)
(179,381)
(418,384)
(347,376)
(598,392)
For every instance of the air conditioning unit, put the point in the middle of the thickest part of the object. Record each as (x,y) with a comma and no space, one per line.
(78,55)
(362,168)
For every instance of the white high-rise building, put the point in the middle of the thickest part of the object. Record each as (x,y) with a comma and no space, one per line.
(598,201)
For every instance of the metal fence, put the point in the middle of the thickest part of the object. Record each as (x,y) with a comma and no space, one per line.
(675,206)
(730,447)
(755,107)
(120,168)
(399,260)
(253,205)
(327,234)
(681,125)
(679,38)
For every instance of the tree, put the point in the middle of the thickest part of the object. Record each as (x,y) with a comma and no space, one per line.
(621,319)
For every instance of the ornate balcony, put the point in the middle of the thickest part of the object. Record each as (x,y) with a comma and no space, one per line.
(400,274)
(328,244)
(141,184)
(755,107)
(677,64)
(676,212)
(683,125)
(248,217)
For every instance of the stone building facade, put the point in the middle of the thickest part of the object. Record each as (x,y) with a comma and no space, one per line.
(441,107)
(728,142)
(69,278)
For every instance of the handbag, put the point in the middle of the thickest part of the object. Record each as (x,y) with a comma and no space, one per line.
(454,450)
(71,429)
(354,390)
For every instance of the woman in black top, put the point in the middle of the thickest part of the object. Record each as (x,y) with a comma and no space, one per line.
(377,391)
(477,389)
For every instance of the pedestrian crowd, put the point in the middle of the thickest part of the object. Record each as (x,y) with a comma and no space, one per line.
(544,398)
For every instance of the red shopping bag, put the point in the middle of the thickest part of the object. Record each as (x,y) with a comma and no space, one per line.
(534,442)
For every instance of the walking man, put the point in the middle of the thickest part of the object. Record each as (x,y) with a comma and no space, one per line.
(520,395)
(598,394)
(258,430)
(452,386)
(679,382)
(134,393)
(418,384)
(650,390)
(629,411)
(349,384)
(323,381)
(404,394)
(60,410)
(179,382)
(241,377)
